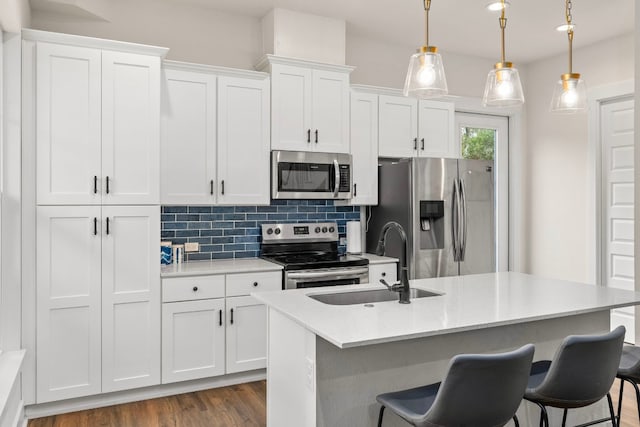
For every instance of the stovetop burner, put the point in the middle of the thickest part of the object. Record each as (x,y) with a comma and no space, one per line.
(307,261)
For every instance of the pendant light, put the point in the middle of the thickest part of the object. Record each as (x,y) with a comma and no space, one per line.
(570,93)
(503,88)
(425,77)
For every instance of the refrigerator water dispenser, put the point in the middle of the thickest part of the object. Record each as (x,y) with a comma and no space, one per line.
(431,224)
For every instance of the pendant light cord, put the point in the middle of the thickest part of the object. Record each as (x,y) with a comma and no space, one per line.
(427,6)
(503,25)
(568,6)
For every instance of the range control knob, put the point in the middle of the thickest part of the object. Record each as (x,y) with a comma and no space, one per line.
(277,231)
(317,230)
(269,231)
(331,229)
(324,229)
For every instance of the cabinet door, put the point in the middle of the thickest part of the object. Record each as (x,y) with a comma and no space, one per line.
(243,141)
(246,334)
(130,128)
(68,306)
(436,129)
(188,153)
(291,108)
(387,271)
(192,340)
(330,114)
(67,125)
(398,126)
(130,297)
(364,148)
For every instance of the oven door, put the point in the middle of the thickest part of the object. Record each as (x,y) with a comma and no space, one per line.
(299,279)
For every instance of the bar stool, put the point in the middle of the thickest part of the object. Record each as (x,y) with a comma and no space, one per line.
(580,374)
(629,371)
(482,390)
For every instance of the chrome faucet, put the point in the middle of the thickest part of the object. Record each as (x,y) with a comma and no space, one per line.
(402,287)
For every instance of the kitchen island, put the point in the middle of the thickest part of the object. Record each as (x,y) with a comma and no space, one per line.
(326,363)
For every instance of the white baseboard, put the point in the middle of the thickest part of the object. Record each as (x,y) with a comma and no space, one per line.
(163,390)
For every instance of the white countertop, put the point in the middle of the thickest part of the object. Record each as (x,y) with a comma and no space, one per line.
(222,266)
(377,259)
(469,302)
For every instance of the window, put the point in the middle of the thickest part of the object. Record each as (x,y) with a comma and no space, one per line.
(477,143)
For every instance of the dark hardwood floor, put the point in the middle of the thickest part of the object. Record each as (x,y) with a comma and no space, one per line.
(240,405)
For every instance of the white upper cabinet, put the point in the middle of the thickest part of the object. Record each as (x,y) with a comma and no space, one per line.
(188,140)
(215,136)
(416,128)
(364,148)
(97,126)
(243,141)
(309,104)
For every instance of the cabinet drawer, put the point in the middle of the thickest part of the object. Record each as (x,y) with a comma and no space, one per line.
(245,283)
(388,272)
(192,288)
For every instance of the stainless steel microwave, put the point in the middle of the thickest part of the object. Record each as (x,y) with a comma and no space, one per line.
(302,175)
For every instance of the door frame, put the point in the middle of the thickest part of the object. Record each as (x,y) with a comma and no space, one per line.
(596,98)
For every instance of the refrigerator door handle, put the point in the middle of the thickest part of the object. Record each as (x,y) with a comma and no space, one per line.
(455,216)
(463,219)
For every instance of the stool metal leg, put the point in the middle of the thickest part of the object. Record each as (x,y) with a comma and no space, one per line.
(622,380)
(613,415)
(635,386)
(380,416)
(564,417)
(515,421)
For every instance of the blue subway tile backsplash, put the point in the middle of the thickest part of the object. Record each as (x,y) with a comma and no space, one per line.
(226,232)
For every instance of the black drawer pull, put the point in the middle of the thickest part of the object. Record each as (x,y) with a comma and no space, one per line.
(255,284)
(95,184)
(95,226)
(107,185)
(232,316)
(220,318)
(107,225)
(384,274)
(195,289)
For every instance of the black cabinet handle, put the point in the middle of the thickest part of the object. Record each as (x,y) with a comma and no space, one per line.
(220,318)
(195,289)
(355,190)
(223,187)
(255,284)
(107,225)
(308,136)
(211,187)
(95,184)
(415,143)
(95,226)
(316,136)
(232,316)
(422,144)
(107,185)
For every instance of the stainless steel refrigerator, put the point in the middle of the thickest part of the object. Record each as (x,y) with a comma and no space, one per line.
(447,208)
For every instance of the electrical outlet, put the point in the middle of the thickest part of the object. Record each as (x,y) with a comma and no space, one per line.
(343,240)
(310,374)
(192,247)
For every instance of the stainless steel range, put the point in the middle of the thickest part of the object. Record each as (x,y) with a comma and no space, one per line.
(309,254)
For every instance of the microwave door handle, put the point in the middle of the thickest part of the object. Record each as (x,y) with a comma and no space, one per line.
(336,171)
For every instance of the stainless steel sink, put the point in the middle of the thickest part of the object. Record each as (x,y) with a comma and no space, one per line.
(368,296)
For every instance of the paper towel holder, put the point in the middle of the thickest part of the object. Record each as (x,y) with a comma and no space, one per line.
(354,238)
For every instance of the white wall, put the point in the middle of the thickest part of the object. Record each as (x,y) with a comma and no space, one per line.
(555,151)
(14,15)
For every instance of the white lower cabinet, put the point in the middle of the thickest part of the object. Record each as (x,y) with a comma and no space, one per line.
(205,334)
(387,271)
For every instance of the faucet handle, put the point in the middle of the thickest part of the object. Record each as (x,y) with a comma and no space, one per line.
(394,287)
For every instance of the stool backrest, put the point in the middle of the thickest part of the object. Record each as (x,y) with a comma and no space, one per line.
(482,390)
(583,368)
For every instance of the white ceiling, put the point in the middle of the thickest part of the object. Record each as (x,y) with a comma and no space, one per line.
(461,26)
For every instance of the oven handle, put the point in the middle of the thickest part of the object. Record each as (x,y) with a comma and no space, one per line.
(332,274)
(336,185)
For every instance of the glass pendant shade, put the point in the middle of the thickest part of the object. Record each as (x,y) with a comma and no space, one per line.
(569,95)
(425,77)
(503,88)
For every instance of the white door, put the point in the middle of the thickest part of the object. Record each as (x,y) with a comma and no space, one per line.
(291,108)
(68,302)
(130,128)
(398,126)
(188,153)
(616,135)
(68,122)
(330,114)
(484,137)
(364,148)
(130,297)
(193,340)
(436,129)
(246,334)
(243,141)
